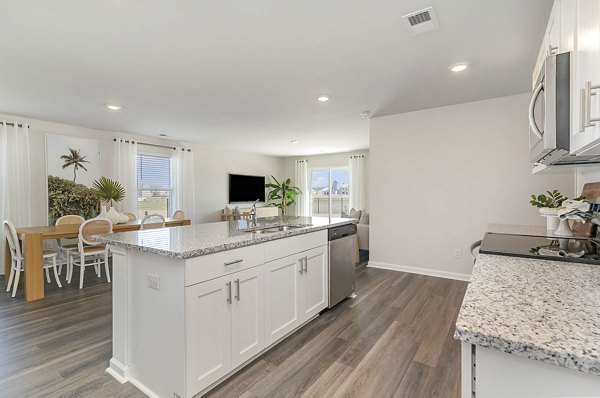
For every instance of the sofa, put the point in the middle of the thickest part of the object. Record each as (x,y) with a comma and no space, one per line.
(362,228)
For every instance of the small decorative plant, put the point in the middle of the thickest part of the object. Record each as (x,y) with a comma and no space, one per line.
(108,191)
(552,201)
(283,194)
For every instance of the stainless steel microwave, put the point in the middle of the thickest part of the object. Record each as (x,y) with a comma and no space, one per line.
(549,111)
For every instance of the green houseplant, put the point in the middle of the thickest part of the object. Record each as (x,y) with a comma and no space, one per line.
(108,191)
(282,194)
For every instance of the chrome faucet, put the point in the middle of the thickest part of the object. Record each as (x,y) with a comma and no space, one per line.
(253,212)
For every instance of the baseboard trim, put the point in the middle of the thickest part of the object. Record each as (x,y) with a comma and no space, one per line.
(420,271)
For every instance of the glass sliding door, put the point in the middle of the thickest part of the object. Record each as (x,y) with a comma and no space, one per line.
(330,189)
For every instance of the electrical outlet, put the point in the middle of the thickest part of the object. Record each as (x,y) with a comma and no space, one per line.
(154,282)
(457,253)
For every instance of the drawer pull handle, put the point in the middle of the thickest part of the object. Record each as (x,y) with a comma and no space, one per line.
(228,284)
(233,262)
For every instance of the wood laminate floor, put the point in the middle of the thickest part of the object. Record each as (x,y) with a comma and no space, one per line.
(393,340)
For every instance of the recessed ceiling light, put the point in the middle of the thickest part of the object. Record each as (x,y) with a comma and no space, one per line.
(323,98)
(295,141)
(162,135)
(459,67)
(113,107)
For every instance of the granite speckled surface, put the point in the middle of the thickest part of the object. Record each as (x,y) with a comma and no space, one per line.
(201,239)
(544,310)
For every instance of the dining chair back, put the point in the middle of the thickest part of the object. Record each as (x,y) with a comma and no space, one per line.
(93,227)
(131,216)
(152,221)
(13,240)
(70,219)
(179,215)
(90,248)
(67,246)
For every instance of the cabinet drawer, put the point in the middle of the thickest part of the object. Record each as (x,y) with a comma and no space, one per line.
(203,268)
(285,247)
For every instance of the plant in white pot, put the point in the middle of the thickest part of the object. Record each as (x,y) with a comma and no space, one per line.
(109,191)
(548,206)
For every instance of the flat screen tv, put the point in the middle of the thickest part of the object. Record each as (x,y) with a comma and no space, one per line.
(246,188)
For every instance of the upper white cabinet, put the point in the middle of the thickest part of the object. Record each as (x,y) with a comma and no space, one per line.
(585,83)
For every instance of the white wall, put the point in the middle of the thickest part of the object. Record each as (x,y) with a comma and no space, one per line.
(326,161)
(212,183)
(438,177)
(212,165)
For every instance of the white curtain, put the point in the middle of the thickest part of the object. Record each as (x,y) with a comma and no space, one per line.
(125,157)
(183,182)
(302,182)
(15,185)
(357,182)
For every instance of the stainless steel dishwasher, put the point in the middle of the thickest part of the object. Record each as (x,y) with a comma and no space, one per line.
(342,254)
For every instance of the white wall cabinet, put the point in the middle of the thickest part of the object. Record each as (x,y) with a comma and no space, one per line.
(296,290)
(585,81)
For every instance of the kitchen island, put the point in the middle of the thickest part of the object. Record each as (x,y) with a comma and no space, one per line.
(192,305)
(530,328)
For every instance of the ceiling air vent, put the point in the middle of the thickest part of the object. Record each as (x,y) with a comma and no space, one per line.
(422,21)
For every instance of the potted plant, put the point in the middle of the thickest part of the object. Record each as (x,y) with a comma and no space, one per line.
(109,191)
(548,205)
(283,194)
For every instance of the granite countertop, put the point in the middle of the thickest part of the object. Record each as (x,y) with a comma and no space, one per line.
(201,239)
(539,309)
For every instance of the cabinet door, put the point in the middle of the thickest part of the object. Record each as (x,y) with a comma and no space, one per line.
(282,297)
(248,325)
(313,282)
(208,332)
(586,68)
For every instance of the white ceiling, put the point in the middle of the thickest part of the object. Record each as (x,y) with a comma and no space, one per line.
(246,74)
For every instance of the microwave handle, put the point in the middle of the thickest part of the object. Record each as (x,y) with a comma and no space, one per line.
(532,123)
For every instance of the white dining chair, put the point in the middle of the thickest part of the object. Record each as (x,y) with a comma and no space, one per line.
(152,221)
(97,252)
(17,264)
(67,246)
(131,216)
(179,215)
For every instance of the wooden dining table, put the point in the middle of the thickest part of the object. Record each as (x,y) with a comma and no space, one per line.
(33,238)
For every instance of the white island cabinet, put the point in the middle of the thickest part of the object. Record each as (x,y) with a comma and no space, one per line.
(183,325)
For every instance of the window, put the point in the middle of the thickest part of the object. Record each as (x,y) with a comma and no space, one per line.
(330,191)
(153,185)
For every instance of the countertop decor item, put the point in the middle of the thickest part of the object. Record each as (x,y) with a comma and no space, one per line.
(548,207)
(109,191)
(283,194)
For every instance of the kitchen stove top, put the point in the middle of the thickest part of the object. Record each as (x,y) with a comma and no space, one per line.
(577,249)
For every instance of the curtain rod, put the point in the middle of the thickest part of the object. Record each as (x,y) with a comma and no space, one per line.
(154,145)
(18,124)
